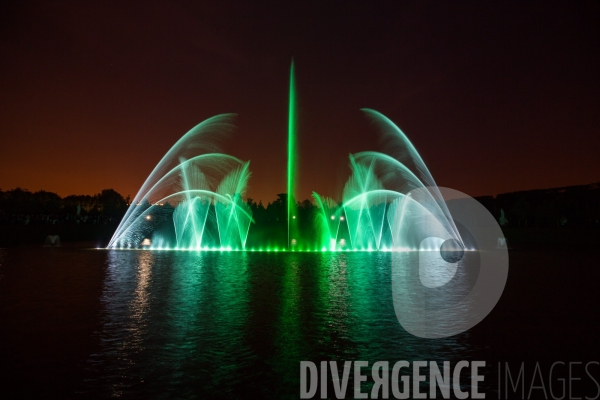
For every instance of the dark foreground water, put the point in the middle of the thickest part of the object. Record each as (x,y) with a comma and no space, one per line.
(137,324)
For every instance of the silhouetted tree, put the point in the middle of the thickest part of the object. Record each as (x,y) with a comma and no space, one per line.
(111,203)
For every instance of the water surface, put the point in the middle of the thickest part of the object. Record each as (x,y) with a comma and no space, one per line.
(139,324)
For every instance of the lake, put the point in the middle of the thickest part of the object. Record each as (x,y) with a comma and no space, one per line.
(86,323)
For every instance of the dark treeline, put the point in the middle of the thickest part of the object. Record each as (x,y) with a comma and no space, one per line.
(270,227)
(571,206)
(22,207)
(29,217)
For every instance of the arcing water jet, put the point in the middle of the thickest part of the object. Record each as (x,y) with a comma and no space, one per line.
(205,189)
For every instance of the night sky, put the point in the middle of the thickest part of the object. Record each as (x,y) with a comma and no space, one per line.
(496,97)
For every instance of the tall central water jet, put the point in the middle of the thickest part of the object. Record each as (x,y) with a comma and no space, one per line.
(291,167)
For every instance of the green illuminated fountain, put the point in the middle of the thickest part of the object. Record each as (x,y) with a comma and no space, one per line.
(328,219)
(390,202)
(292,231)
(192,200)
